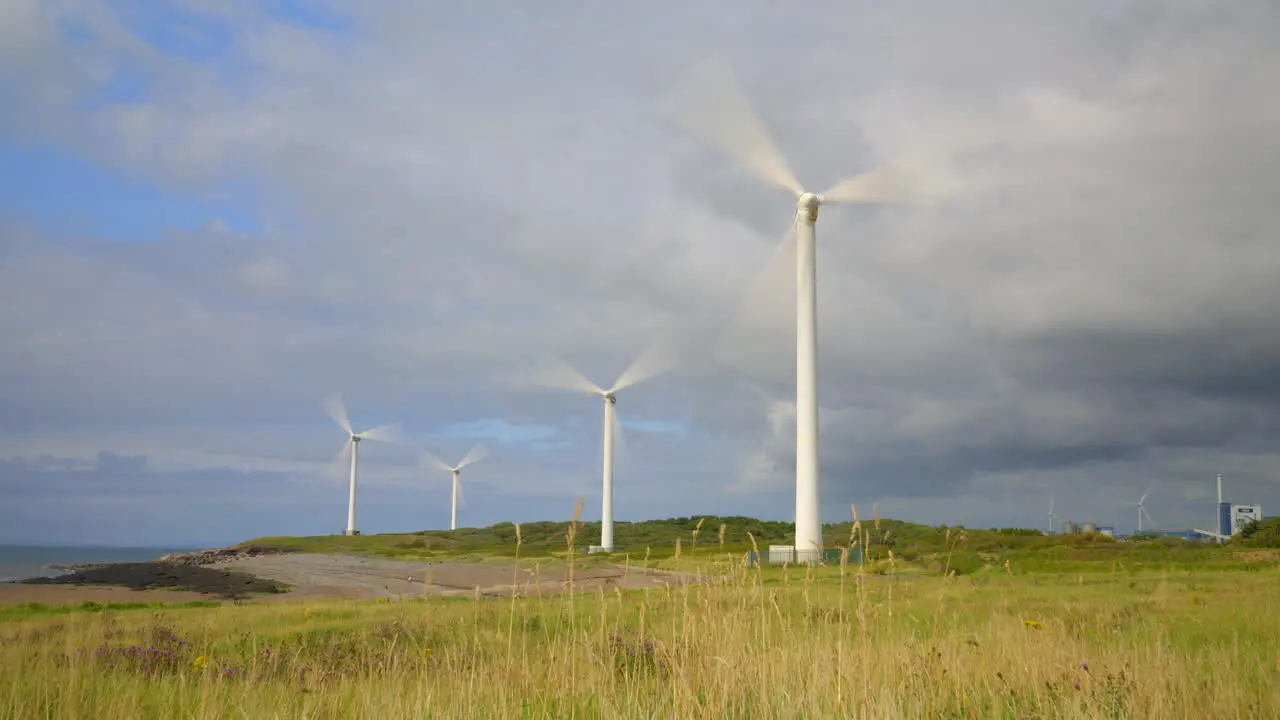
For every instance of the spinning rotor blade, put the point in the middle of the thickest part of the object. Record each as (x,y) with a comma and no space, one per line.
(430,459)
(621,455)
(382,433)
(475,455)
(462,494)
(656,359)
(338,411)
(558,374)
(712,107)
(883,184)
(1147,515)
(769,303)
(340,465)
(1150,487)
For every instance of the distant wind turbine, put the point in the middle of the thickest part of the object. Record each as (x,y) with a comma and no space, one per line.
(1051,514)
(384,433)
(654,361)
(475,455)
(1142,509)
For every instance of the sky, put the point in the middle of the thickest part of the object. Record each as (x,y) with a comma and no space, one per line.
(214,215)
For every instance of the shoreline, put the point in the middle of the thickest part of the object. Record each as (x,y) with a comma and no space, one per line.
(274,575)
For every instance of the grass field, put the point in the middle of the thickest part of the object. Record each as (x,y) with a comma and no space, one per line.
(1098,631)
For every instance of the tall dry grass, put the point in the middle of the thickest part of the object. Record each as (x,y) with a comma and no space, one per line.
(746,643)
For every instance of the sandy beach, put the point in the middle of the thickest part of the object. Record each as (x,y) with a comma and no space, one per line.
(356,578)
(346,577)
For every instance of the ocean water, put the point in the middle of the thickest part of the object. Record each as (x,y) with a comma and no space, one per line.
(19,562)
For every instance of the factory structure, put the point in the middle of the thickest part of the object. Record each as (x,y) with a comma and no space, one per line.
(1231,519)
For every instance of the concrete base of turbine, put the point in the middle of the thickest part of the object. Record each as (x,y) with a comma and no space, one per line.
(349,533)
(598,549)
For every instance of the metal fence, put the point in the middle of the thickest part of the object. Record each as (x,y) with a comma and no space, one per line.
(787,555)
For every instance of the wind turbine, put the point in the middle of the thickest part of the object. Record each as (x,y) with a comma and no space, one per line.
(1051,514)
(711,106)
(384,433)
(1142,509)
(654,361)
(475,455)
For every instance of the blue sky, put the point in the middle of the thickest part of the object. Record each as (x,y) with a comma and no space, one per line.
(216,214)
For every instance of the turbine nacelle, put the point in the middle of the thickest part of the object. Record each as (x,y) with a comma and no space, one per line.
(807,206)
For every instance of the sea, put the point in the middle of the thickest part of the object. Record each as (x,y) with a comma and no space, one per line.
(18,562)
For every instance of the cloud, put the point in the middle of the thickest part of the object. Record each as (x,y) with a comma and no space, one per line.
(410,206)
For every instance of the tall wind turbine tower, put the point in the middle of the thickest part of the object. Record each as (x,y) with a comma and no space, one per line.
(384,433)
(711,106)
(475,455)
(654,361)
(1050,514)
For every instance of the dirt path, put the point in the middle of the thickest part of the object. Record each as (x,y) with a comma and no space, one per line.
(355,578)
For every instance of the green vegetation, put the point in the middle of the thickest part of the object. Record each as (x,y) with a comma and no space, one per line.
(935,622)
(1175,643)
(22,611)
(1265,534)
(654,543)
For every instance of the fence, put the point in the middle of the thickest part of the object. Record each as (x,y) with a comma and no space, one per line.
(787,555)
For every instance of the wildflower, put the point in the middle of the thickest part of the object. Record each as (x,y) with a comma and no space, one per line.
(1084,666)
(1032,624)
(426,652)
(200,663)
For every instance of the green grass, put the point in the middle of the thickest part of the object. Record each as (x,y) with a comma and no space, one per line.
(654,543)
(772,642)
(936,623)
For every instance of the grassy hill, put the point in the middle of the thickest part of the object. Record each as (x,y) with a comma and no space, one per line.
(912,545)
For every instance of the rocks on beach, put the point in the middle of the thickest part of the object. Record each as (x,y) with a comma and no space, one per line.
(179,571)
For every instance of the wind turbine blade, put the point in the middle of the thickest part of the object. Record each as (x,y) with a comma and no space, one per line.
(1147,515)
(883,184)
(382,433)
(621,455)
(654,360)
(475,455)
(338,411)
(430,458)
(558,374)
(711,106)
(340,465)
(1150,487)
(768,305)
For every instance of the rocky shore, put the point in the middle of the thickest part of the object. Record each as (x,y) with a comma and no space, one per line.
(226,584)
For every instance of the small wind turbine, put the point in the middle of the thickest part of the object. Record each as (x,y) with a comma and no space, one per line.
(654,361)
(384,433)
(475,455)
(713,108)
(1142,509)
(1051,514)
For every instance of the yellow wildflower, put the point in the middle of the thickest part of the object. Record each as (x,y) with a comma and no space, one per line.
(1032,624)
(200,663)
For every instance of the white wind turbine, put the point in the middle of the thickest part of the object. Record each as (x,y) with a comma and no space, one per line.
(384,433)
(712,107)
(475,455)
(1051,514)
(1142,509)
(654,361)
